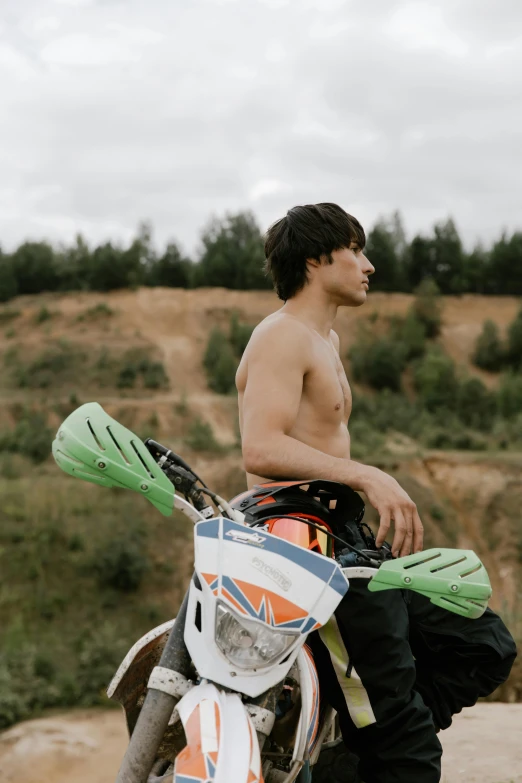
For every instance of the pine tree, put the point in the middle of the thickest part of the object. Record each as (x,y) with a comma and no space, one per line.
(8,284)
(233,255)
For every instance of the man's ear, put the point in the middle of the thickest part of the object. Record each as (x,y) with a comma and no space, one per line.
(313,262)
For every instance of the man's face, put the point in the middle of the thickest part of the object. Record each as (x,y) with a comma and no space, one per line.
(346,279)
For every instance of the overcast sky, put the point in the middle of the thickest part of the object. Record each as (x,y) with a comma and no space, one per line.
(172,110)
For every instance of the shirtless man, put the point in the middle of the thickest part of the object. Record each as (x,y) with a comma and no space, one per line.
(294,406)
(294,397)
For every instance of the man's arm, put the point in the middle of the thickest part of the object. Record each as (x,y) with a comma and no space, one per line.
(279,358)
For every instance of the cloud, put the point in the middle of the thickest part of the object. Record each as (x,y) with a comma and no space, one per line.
(268,187)
(171,111)
(119,44)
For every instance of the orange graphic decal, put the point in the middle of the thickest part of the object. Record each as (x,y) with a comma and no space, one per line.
(209,578)
(282,610)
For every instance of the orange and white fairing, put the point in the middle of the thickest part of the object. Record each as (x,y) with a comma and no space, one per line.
(222,744)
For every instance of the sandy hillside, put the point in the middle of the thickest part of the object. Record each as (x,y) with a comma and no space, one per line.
(178,321)
(174,325)
(482,746)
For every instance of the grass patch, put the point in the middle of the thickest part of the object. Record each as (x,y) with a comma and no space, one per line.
(12,465)
(56,365)
(143,371)
(181,408)
(200,437)
(135,369)
(85,572)
(122,562)
(31,437)
(65,365)
(44,314)
(99,311)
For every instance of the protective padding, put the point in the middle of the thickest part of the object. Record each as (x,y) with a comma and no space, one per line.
(454,579)
(222,745)
(92,446)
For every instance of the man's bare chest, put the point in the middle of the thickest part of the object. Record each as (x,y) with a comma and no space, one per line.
(326,388)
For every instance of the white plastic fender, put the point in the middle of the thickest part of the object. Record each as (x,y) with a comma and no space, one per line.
(307,728)
(222,744)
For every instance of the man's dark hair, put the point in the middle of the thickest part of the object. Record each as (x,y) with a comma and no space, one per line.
(310,231)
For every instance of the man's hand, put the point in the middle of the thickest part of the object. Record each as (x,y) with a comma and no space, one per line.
(393,503)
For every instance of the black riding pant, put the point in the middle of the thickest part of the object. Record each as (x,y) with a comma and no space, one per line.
(413,666)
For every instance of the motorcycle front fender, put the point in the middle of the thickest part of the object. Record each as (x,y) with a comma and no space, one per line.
(222,745)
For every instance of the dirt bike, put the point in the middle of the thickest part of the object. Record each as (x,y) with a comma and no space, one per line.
(228,692)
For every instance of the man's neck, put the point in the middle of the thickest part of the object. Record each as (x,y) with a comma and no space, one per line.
(316,313)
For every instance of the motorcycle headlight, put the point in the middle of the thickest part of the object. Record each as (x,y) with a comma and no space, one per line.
(248,644)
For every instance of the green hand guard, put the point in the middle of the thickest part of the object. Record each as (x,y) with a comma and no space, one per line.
(94,447)
(453,579)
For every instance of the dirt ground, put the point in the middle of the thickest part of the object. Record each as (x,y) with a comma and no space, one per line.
(482,746)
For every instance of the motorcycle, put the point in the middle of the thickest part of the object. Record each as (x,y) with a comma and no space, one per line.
(228,691)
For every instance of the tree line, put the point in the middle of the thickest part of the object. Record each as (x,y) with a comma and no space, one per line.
(232,256)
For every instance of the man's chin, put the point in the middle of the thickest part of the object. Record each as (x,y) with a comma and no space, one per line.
(355,299)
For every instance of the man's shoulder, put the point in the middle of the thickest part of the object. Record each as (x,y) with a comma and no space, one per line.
(279,326)
(282,334)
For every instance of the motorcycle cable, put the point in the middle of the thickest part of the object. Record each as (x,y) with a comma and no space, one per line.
(170,456)
(358,552)
(219,501)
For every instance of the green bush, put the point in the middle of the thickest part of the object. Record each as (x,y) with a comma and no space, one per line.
(27,684)
(443,429)
(387,411)
(181,408)
(449,438)
(220,363)
(378,363)
(31,437)
(43,315)
(51,368)
(155,376)
(489,353)
(475,405)
(366,441)
(427,307)
(127,376)
(200,437)
(153,373)
(103,361)
(31,681)
(122,563)
(98,311)
(100,653)
(506,434)
(510,395)
(438,429)
(514,342)
(411,333)
(240,334)
(11,356)
(436,381)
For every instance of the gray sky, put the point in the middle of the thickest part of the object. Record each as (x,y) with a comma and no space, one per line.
(173,110)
